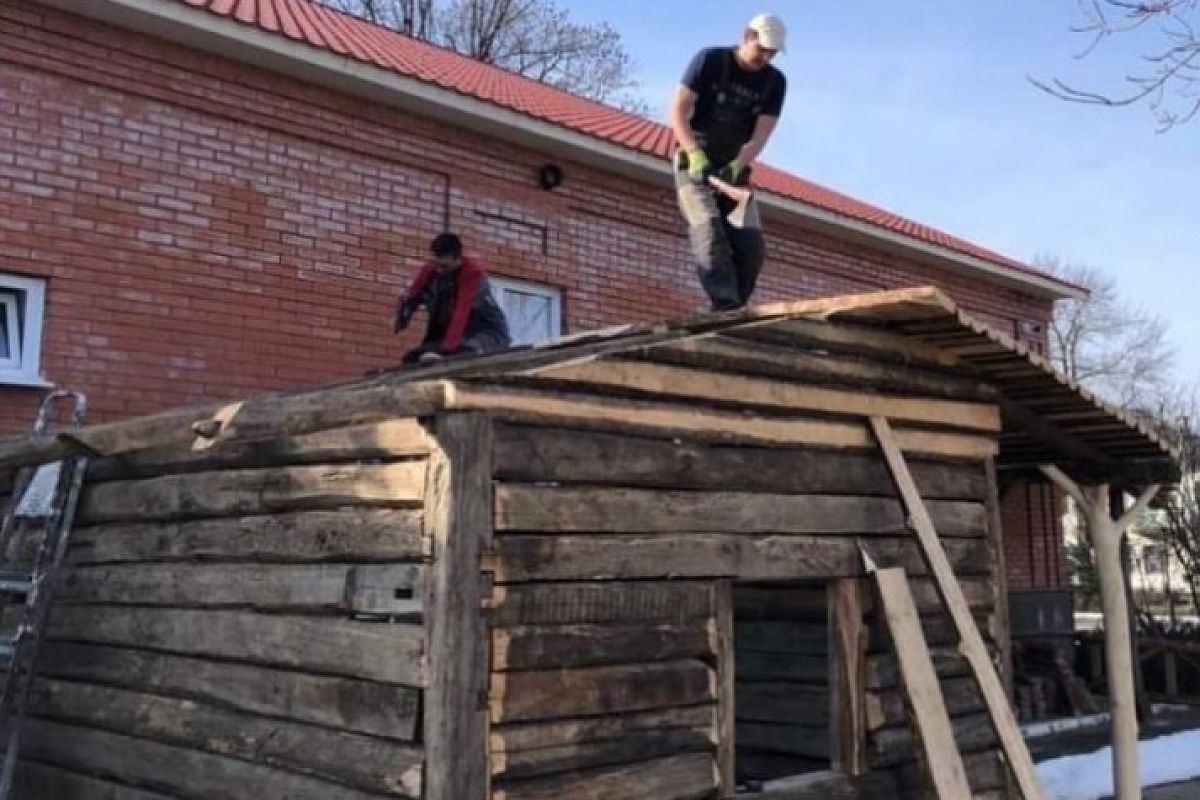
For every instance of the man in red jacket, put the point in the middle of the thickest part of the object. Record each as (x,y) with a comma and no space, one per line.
(464,318)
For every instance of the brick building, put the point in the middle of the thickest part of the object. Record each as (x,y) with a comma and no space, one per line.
(206,198)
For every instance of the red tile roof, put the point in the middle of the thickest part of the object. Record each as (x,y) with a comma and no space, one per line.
(326,29)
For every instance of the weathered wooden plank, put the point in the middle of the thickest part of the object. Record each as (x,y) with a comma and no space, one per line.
(847,669)
(391,653)
(929,720)
(783,702)
(262,418)
(390,439)
(893,746)
(683,777)
(364,762)
(809,603)
(883,672)
(532,454)
(985,772)
(352,533)
(725,658)
(34,780)
(554,694)
(810,741)
(602,557)
(380,709)
(886,708)
(176,770)
(876,344)
(972,645)
(586,644)
(459,514)
(564,510)
(518,737)
(717,352)
(634,746)
(606,601)
(939,630)
(254,491)
(704,385)
(667,419)
(265,418)
(293,587)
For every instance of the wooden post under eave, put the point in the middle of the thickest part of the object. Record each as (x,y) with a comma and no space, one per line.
(1106,534)
(458,514)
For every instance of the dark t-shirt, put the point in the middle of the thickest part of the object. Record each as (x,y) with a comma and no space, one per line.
(730,100)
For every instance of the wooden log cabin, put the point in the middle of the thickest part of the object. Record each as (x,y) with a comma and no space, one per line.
(625,565)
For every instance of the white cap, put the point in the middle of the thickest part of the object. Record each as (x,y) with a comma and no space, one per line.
(772,33)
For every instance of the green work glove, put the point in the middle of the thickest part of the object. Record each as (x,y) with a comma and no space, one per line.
(733,170)
(697,165)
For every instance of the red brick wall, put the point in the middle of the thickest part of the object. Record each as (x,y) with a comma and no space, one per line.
(209,230)
(1035,557)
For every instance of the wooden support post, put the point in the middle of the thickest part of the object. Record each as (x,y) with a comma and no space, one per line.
(933,735)
(1106,535)
(972,645)
(847,670)
(1116,507)
(725,688)
(458,513)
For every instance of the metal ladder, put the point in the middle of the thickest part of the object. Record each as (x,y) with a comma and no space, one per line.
(42,508)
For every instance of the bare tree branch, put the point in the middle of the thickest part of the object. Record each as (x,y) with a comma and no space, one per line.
(1169,77)
(534,38)
(1111,348)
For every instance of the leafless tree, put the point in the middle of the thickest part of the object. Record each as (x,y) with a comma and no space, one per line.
(1169,76)
(1180,508)
(1112,348)
(535,38)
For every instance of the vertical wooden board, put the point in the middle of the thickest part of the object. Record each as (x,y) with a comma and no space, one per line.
(847,671)
(1003,632)
(458,514)
(930,722)
(972,646)
(726,712)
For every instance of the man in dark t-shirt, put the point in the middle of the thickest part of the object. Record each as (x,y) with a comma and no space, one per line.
(722,115)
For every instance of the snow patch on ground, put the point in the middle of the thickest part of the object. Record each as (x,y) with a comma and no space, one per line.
(1175,757)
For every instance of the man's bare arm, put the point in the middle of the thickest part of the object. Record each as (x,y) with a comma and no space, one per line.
(680,114)
(763,128)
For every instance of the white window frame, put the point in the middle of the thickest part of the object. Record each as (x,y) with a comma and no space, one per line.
(500,285)
(25,300)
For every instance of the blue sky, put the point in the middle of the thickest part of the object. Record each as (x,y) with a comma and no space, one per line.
(924,109)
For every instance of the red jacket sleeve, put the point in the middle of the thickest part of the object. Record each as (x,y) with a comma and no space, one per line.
(470,274)
(419,283)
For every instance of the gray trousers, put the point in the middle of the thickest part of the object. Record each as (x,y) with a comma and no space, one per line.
(728,257)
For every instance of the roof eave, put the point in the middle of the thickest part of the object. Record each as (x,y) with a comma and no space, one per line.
(223,36)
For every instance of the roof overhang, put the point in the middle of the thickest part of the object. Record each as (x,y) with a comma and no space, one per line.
(200,29)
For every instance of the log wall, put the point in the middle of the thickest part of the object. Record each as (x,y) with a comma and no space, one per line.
(245,622)
(610,551)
